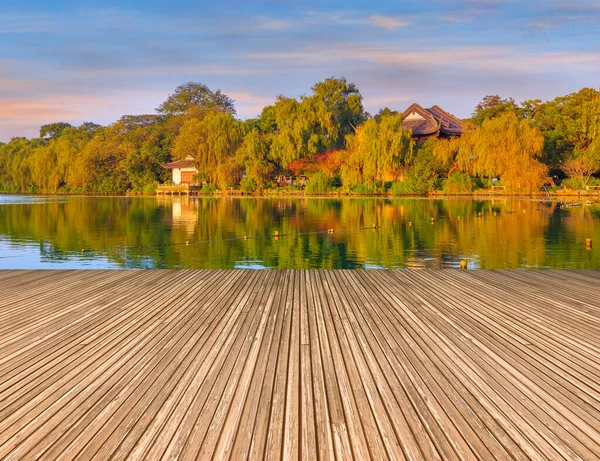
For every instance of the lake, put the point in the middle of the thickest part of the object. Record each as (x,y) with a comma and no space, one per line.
(47,232)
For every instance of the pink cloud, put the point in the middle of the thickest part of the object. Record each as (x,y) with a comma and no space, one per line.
(249,104)
(27,110)
(500,59)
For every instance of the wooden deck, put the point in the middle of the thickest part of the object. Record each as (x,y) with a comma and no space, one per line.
(300,364)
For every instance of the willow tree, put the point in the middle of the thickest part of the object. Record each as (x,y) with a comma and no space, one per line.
(213,142)
(302,129)
(509,148)
(52,163)
(447,151)
(98,167)
(378,150)
(187,141)
(253,155)
(15,169)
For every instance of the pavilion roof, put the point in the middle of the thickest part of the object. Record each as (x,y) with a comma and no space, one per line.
(419,120)
(188,162)
(449,124)
(430,121)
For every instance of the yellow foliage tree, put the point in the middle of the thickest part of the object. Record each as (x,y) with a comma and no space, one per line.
(509,148)
(376,149)
(503,147)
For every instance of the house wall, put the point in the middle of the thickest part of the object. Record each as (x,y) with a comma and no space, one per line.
(177,174)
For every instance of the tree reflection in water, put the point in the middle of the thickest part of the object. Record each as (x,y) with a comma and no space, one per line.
(313,232)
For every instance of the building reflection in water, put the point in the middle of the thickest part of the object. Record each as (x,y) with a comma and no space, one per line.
(184,212)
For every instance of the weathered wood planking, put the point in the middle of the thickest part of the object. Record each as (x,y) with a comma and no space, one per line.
(300,365)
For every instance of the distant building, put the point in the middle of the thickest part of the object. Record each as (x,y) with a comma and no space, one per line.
(434,122)
(183,170)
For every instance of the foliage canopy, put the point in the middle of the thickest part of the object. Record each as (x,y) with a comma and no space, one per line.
(326,135)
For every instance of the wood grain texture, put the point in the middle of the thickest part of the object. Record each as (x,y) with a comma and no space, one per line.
(300,365)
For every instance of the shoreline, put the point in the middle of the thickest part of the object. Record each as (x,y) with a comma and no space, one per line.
(483,195)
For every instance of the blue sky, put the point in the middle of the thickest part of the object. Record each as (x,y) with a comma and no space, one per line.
(81,61)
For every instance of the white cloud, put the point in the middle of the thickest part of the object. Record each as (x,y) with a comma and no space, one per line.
(387,22)
(266,23)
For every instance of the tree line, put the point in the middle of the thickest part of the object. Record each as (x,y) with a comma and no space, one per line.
(325,135)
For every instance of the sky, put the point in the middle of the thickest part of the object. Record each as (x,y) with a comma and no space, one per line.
(77,61)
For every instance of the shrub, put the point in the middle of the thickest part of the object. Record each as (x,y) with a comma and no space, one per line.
(419,181)
(458,184)
(369,188)
(575,183)
(33,189)
(248,185)
(319,183)
(409,187)
(336,181)
(423,176)
(208,189)
(150,187)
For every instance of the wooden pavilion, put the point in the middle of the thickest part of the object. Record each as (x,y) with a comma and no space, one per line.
(183,170)
(434,122)
(183,181)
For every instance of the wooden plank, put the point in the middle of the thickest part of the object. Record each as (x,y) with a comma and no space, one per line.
(300,364)
(128,408)
(506,385)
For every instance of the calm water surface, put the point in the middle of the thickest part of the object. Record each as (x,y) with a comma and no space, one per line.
(191,233)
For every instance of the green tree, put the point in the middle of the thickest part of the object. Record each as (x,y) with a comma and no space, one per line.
(568,123)
(582,164)
(89,126)
(128,123)
(53,130)
(385,112)
(96,168)
(344,101)
(492,107)
(194,94)
(15,170)
(425,170)
(189,138)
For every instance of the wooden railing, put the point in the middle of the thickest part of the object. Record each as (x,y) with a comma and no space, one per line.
(177,189)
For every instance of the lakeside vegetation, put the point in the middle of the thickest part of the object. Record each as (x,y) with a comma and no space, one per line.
(326,136)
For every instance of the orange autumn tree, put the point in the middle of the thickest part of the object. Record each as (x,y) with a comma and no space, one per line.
(327,162)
